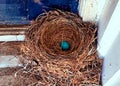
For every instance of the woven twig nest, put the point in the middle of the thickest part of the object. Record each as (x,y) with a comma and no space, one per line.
(77,66)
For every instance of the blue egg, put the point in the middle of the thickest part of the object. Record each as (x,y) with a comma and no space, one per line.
(65,45)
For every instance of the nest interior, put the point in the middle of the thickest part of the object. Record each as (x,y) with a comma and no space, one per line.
(48,63)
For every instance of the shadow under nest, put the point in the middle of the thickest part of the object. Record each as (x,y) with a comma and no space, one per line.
(46,64)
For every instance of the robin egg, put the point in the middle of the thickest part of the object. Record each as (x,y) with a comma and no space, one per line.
(65,45)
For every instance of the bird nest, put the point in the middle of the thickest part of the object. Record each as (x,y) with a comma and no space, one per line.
(48,63)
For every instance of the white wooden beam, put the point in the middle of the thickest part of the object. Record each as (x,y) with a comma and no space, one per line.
(9,38)
(9,61)
(109,42)
(106,13)
(108,26)
(88,10)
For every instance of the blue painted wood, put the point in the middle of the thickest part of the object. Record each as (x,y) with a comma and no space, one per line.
(13,12)
(22,11)
(36,8)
